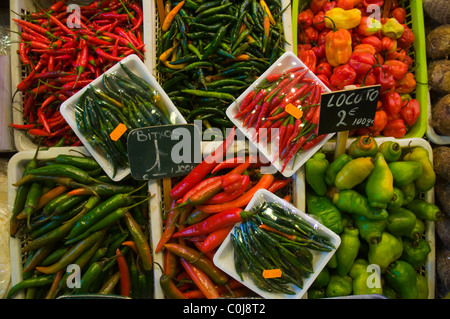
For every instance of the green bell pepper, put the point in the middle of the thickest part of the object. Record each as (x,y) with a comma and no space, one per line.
(315,168)
(352,202)
(391,151)
(327,213)
(401,276)
(334,168)
(386,251)
(415,252)
(380,183)
(339,286)
(363,283)
(348,250)
(401,222)
(370,230)
(405,172)
(428,178)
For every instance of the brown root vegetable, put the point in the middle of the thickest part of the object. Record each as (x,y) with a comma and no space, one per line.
(438,42)
(438,10)
(440,115)
(443,265)
(443,230)
(439,76)
(441,162)
(442,189)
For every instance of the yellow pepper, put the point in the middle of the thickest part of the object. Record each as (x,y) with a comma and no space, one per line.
(392,29)
(342,19)
(338,47)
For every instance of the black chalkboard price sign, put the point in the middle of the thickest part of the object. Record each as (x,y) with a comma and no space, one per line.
(163,151)
(348,109)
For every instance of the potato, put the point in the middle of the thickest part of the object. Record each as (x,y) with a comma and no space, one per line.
(440,115)
(438,10)
(443,230)
(442,189)
(439,76)
(441,163)
(438,42)
(443,265)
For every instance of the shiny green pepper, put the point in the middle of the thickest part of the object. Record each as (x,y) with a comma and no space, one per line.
(409,193)
(370,230)
(316,293)
(325,211)
(401,222)
(363,146)
(422,286)
(339,286)
(396,201)
(392,29)
(315,168)
(380,183)
(347,250)
(352,202)
(405,172)
(391,151)
(415,252)
(334,168)
(418,230)
(424,210)
(389,293)
(322,279)
(353,173)
(428,178)
(363,283)
(332,263)
(386,251)
(401,276)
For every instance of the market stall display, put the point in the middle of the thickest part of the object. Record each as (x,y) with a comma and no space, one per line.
(315,217)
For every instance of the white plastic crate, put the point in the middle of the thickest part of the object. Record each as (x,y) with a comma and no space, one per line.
(16,166)
(429,270)
(156,30)
(18,72)
(157,207)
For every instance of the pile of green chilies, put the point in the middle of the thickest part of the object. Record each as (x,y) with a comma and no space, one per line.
(211,51)
(276,238)
(127,100)
(68,212)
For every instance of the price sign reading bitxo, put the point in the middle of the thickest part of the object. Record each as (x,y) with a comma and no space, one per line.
(348,109)
(163,151)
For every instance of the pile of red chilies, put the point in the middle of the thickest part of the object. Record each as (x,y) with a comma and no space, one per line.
(62,60)
(264,109)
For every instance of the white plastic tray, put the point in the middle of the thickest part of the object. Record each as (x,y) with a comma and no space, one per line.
(407,144)
(157,207)
(16,166)
(224,257)
(287,61)
(21,140)
(135,64)
(432,135)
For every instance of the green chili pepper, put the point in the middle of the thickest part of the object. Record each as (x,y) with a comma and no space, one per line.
(347,250)
(31,282)
(352,202)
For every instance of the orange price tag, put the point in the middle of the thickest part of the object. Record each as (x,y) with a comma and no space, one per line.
(272,273)
(118,132)
(292,110)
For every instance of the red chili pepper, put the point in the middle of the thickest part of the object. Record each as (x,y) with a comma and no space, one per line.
(228,163)
(43,120)
(224,197)
(263,183)
(201,280)
(140,16)
(125,282)
(259,96)
(23,126)
(216,221)
(215,239)
(202,169)
(170,227)
(313,142)
(279,184)
(107,56)
(294,149)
